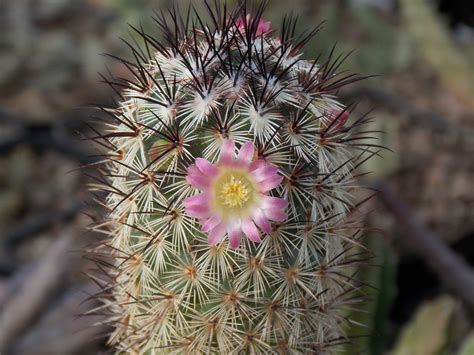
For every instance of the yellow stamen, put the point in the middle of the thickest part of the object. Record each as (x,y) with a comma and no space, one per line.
(234,192)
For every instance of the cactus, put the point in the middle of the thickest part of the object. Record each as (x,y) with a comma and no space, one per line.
(229,174)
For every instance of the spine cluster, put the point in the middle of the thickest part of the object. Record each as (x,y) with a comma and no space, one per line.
(228,77)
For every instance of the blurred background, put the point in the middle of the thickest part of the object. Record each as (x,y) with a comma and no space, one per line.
(421,278)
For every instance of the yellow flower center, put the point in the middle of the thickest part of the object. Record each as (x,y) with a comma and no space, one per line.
(234,192)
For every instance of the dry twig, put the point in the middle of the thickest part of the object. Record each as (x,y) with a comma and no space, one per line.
(449,267)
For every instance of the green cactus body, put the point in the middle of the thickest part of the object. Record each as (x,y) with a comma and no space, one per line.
(277,283)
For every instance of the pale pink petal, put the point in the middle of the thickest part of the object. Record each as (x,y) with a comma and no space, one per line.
(246,152)
(273,202)
(257,164)
(206,167)
(270,183)
(227,156)
(275,214)
(196,200)
(216,235)
(235,233)
(248,227)
(264,172)
(193,170)
(198,182)
(198,211)
(197,179)
(261,221)
(211,223)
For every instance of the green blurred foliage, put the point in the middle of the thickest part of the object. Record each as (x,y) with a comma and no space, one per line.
(436,48)
(467,347)
(434,330)
(369,330)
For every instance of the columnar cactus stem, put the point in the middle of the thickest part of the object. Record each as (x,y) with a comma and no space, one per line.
(229,179)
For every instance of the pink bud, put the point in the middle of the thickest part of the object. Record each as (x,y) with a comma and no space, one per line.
(262,27)
(340,117)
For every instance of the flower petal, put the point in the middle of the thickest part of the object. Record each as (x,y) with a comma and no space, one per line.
(197,179)
(264,172)
(235,234)
(248,227)
(257,164)
(246,152)
(262,221)
(198,211)
(211,223)
(275,214)
(271,183)
(216,235)
(196,200)
(273,202)
(227,156)
(206,167)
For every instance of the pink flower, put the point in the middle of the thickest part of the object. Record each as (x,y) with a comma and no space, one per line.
(234,195)
(262,26)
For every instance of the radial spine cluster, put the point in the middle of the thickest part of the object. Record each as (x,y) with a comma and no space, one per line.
(228,177)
